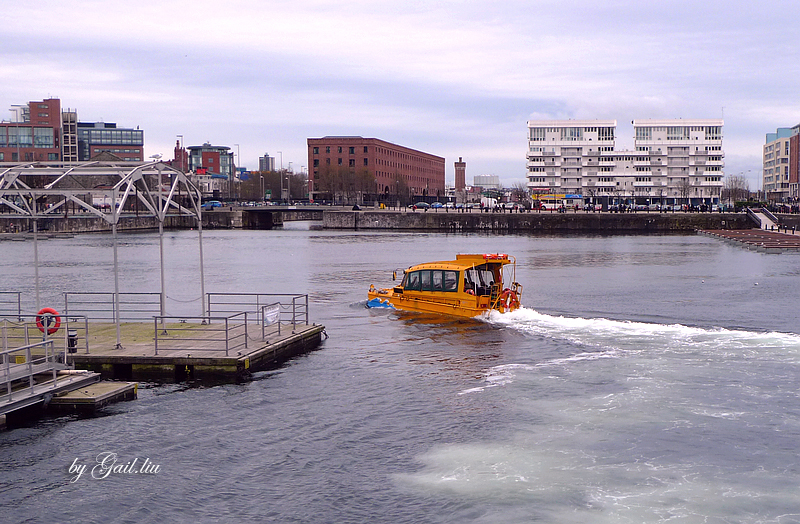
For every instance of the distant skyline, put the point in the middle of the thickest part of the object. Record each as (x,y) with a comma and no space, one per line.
(451,78)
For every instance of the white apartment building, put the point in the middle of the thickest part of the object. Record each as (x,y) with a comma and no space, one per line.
(674,161)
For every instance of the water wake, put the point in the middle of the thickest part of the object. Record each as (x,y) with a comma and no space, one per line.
(599,339)
(603,333)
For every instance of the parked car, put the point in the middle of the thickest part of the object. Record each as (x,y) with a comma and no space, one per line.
(422,205)
(449,205)
(437,205)
(211,204)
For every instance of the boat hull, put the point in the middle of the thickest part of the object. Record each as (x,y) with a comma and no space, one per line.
(466,306)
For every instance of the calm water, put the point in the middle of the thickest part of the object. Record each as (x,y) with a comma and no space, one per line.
(647,379)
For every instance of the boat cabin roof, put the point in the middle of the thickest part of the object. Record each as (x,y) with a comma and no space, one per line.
(464,261)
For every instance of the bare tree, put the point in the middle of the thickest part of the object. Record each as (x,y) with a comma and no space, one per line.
(735,189)
(684,189)
(519,192)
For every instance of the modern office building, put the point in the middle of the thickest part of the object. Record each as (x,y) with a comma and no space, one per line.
(399,173)
(266,163)
(33,134)
(105,137)
(212,170)
(673,161)
(780,165)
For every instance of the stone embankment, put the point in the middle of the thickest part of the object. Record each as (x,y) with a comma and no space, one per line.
(642,222)
(265,218)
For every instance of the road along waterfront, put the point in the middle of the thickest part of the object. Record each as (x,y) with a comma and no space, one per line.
(646,378)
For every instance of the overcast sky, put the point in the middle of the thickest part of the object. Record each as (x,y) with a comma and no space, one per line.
(452,78)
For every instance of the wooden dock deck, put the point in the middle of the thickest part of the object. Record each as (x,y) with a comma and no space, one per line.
(92,397)
(187,351)
(758,239)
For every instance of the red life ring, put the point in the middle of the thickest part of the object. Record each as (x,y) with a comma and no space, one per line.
(509,300)
(44,320)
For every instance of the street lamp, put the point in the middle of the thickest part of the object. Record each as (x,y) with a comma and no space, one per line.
(281,172)
(263,196)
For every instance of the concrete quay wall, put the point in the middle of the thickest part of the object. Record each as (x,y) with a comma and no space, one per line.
(90,224)
(536,222)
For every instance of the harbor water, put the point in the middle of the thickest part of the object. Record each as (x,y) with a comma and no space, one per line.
(646,379)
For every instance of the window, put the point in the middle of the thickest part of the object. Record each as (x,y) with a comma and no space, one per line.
(571,133)
(537,134)
(352,150)
(431,280)
(340,161)
(340,149)
(450,280)
(352,162)
(328,149)
(365,149)
(366,162)
(425,280)
(316,162)
(316,150)
(328,161)
(411,281)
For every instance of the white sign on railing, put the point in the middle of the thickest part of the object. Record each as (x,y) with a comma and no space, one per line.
(272,314)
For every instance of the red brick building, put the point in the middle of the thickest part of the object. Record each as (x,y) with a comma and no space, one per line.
(340,163)
(34,135)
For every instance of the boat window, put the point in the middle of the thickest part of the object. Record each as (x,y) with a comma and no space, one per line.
(451,280)
(438,280)
(487,277)
(411,282)
(425,278)
(431,280)
(479,279)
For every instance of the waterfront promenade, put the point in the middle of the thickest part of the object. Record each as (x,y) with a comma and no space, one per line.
(329,217)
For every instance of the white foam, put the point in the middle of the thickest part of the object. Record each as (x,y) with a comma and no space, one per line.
(631,335)
(604,338)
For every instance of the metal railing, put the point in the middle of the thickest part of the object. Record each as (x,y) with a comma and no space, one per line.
(294,308)
(770,216)
(71,336)
(26,365)
(10,304)
(184,333)
(754,217)
(101,306)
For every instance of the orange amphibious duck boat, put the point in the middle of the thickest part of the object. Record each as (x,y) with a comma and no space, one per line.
(466,287)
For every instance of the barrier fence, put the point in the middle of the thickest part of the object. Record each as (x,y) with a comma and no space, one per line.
(102,307)
(230,336)
(293,308)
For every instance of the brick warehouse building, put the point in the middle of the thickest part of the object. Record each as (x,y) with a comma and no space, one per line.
(341,164)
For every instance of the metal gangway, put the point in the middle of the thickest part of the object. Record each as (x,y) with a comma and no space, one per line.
(33,363)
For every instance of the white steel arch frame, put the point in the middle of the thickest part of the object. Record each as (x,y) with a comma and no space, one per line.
(139,180)
(128,184)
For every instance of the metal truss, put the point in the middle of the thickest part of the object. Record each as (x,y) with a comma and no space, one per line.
(43,189)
